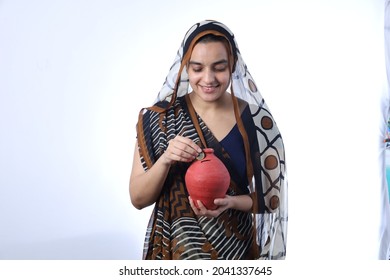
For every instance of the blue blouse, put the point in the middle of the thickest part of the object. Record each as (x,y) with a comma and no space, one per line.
(234,146)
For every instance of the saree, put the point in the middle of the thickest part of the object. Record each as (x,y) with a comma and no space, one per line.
(174,231)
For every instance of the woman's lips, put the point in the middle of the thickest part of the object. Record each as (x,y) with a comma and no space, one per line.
(209,89)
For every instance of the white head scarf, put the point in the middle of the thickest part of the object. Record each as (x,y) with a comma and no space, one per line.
(243,84)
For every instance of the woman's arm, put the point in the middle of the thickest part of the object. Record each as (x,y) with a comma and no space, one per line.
(145,187)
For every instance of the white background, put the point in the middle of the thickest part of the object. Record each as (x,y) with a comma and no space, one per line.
(74,75)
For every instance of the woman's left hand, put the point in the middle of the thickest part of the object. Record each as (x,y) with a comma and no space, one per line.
(222,203)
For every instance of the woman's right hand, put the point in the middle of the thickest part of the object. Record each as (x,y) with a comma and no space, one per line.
(145,187)
(181,149)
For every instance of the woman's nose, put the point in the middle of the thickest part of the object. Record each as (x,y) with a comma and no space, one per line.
(209,76)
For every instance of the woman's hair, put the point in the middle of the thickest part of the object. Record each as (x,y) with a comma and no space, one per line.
(211,38)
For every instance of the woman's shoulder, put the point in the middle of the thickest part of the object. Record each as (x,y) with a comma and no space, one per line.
(162,107)
(165,105)
(156,108)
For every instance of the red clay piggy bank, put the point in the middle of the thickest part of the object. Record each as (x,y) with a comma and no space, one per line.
(206,179)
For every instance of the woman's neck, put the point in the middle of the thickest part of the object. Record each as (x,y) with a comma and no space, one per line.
(205,108)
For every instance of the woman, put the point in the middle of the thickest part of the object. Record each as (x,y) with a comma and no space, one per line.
(195,109)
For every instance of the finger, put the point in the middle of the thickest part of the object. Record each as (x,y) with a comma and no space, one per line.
(180,155)
(221,201)
(182,150)
(183,144)
(203,211)
(194,148)
(201,207)
(171,156)
(191,201)
(179,151)
(194,208)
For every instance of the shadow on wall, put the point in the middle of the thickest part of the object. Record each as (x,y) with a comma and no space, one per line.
(101,246)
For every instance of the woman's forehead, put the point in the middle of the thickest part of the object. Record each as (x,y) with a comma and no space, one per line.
(208,50)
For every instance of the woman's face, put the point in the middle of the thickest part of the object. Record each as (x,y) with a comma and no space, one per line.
(208,70)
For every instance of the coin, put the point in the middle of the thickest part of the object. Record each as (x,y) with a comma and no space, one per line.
(200,156)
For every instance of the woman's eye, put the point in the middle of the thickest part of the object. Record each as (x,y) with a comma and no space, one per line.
(220,69)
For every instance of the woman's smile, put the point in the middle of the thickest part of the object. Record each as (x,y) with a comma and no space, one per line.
(209,89)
